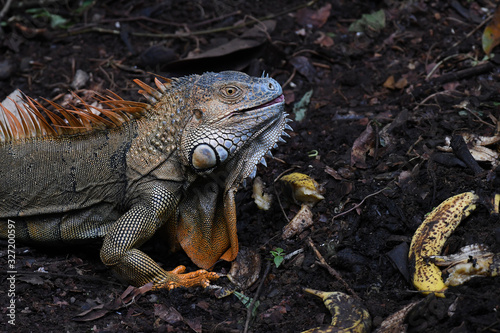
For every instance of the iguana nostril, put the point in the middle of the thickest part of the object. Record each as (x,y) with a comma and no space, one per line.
(203,157)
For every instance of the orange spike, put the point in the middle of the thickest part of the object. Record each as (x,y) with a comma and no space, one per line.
(13,124)
(41,119)
(35,128)
(114,116)
(72,121)
(5,131)
(113,97)
(82,117)
(24,119)
(97,119)
(160,85)
(33,119)
(168,81)
(147,91)
(56,120)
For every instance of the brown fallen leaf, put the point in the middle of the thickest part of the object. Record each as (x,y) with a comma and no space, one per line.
(245,269)
(289,97)
(324,40)
(304,67)
(395,323)
(401,83)
(167,313)
(299,223)
(235,54)
(491,34)
(361,146)
(332,172)
(314,18)
(389,83)
(130,295)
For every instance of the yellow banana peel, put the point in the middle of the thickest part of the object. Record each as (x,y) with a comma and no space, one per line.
(430,238)
(348,314)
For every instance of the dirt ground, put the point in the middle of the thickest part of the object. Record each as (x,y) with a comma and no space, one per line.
(372,144)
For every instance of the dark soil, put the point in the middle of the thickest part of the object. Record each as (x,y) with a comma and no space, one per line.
(349,95)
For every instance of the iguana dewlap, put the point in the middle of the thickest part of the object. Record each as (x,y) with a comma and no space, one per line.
(173,164)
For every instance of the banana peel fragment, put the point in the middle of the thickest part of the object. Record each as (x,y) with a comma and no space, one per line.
(348,314)
(430,238)
(471,261)
(304,189)
(307,192)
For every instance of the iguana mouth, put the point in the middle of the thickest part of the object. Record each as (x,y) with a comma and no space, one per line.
(279,99)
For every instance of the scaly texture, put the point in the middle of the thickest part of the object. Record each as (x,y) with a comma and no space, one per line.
(171,165)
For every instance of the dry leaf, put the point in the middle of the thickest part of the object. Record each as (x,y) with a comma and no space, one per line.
(317,19)
(301,221)
(402,82)
(361,146)
(168,314)
(245,269)
(389,83)
(324,40)
(332,172)
(304,67)
(491,34)
(130,295)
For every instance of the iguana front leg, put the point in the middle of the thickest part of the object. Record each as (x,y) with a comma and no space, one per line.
(135,227)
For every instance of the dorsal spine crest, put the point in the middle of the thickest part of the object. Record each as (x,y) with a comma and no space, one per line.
(33,120)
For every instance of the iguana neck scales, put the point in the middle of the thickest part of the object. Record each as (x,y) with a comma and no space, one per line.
(131,169)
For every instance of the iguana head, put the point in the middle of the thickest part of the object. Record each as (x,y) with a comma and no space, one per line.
(236,119)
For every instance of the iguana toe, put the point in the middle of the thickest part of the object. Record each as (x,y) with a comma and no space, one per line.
(176,279)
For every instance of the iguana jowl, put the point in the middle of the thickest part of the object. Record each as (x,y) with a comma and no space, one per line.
(171,165)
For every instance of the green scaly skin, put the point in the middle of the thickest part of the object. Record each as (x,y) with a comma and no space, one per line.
(173,169)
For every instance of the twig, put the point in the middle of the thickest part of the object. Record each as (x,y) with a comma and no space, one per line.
(290,78)
(185,34)
(5,8)
(440,63)
(281,205)
(446,93)
(358,205)
(329,268)
(464,73)
(256,297)
(473,31)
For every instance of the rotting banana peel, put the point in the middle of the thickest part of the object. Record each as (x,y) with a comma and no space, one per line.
(348,314)
(430,237)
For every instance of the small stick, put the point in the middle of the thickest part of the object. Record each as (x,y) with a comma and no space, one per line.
(358,205)
(330,270)
(5,9)
(256,297)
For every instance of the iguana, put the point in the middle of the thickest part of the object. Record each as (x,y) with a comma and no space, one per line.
(171,165)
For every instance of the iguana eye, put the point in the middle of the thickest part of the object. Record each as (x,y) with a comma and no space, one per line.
(231,92)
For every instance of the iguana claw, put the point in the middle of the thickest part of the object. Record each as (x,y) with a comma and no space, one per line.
(176,279)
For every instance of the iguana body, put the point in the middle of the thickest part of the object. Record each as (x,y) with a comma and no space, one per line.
(173,164)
